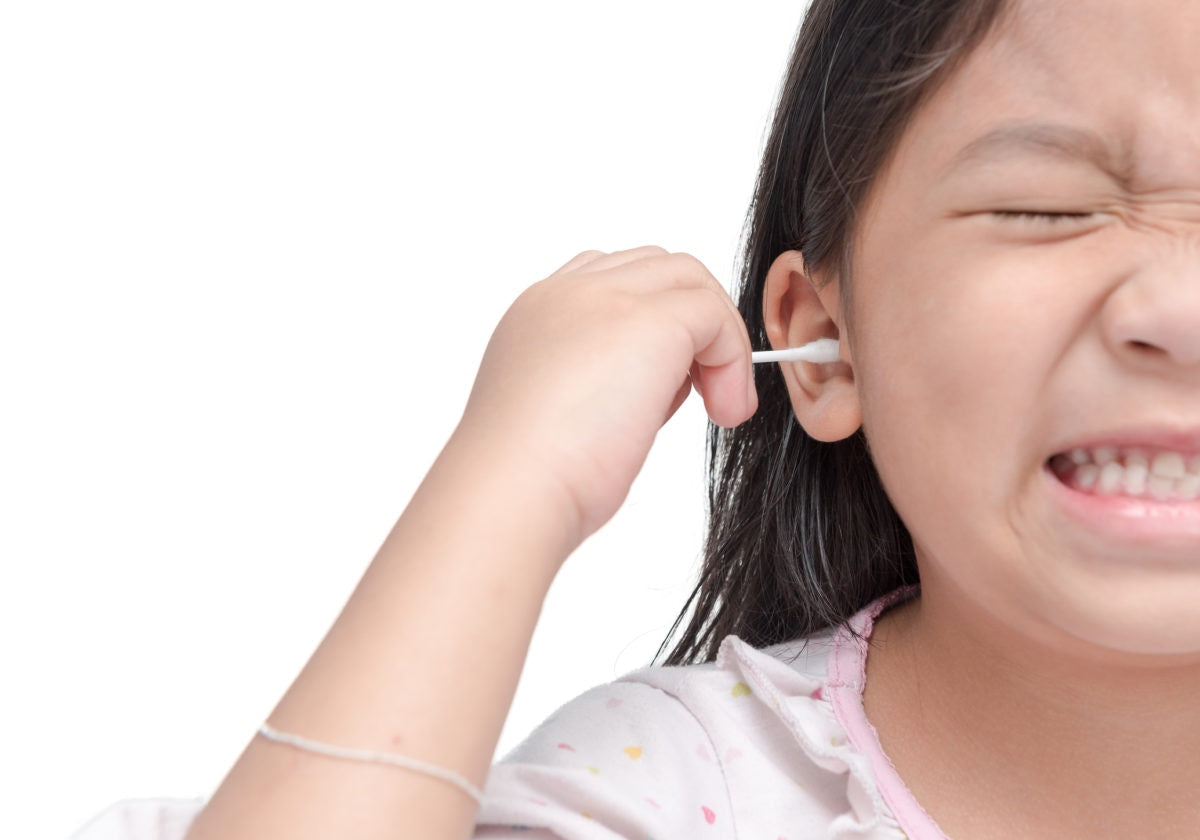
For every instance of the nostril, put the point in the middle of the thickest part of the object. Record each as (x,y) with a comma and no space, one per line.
(1145,348)
(1152,319)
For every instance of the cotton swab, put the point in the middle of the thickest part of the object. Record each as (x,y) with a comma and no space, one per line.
(821,351)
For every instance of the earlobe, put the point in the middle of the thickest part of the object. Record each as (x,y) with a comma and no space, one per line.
(799,308)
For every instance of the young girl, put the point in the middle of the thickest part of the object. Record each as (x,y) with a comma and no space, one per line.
(994,207)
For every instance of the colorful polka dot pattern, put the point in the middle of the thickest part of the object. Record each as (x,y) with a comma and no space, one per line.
(748,746)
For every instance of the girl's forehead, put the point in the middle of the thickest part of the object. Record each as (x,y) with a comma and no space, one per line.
(1063,23)
(1113,82)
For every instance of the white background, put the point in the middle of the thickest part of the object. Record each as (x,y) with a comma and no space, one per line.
(250,254)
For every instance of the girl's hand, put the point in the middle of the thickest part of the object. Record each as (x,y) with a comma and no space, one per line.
(587,365)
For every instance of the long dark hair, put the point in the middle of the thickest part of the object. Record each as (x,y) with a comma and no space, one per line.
(801,534)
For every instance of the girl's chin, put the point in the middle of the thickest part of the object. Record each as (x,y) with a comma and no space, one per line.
(1130,635)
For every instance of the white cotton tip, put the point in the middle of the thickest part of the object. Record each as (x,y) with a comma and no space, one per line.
(822,351)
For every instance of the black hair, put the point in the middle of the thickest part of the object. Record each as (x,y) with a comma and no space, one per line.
(801,534)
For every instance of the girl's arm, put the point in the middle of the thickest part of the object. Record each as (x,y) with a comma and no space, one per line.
(424,659)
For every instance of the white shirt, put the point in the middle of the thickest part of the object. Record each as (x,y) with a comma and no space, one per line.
(769,744)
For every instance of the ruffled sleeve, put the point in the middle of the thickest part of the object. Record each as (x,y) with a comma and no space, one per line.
(791,770)
(623,760)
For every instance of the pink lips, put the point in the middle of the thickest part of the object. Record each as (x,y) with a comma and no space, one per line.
(1115,516)
(1170,525)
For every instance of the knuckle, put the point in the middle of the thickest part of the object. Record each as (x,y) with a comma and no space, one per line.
(642,252)
(690,265)
(687,270)
(650,251)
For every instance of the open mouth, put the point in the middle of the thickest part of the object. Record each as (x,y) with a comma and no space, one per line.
(1132,472)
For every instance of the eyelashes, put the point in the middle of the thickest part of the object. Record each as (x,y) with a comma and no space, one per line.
(1043,217)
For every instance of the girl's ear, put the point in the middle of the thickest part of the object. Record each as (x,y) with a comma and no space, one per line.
(799,308)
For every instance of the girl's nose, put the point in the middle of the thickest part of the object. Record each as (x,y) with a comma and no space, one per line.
(1155,314)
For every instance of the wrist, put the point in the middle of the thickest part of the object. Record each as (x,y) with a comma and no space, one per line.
(504,494)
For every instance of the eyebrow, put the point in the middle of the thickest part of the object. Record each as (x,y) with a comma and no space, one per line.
(1043,139)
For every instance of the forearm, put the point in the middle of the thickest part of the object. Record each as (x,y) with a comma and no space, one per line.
(423,661)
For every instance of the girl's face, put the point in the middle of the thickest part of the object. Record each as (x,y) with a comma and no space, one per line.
(1025,327)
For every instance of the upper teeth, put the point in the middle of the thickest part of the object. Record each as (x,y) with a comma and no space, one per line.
(1109,470)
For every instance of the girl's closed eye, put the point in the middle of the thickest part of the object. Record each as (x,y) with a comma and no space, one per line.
(1045,216)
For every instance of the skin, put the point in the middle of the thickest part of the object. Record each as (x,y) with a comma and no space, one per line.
(1058,663)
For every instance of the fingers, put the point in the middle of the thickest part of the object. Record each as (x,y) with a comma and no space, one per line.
(579,261)
(720,348)
(681,396)
(686,293)
(649,266)
(599,260)
(616,259)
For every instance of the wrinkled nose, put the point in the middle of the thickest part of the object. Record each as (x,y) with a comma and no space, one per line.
(1155,314)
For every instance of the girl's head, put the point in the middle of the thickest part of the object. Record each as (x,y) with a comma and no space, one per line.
(995,205)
